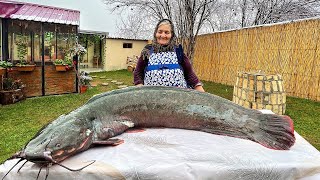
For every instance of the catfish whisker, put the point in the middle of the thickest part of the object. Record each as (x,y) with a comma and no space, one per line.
(39,172)
(22,165)
(21,159)
(48,157)
(47,171)
(93,161)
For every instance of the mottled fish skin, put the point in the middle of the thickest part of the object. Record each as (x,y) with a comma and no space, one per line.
(110,114)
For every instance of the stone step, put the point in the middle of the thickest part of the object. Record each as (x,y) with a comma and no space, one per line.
(122,86)
(119,83)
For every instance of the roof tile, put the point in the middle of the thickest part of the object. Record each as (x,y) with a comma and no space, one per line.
(35,12)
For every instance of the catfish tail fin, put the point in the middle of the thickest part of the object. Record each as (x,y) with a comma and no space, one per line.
(276,132)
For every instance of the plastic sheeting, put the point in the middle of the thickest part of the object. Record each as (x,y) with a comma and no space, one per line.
(182,154)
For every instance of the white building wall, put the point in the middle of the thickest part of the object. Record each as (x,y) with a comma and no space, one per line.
(115,57)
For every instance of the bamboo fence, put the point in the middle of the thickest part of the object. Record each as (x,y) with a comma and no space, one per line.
(291,50)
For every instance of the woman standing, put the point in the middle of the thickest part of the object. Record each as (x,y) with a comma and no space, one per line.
(163,63)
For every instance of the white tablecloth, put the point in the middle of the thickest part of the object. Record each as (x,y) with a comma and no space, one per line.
(183,154)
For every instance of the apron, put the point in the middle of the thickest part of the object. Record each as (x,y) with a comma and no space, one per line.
(163,69)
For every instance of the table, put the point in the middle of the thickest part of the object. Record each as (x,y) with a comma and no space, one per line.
(183,154)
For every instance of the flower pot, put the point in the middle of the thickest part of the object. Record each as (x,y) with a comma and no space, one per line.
(61,68)
(83,88)
(2,71)
(26,68)
(11,96)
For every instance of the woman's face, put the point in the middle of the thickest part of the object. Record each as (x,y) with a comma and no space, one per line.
(163,34)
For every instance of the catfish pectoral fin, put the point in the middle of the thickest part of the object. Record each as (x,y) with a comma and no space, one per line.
(111,129)
(112,142)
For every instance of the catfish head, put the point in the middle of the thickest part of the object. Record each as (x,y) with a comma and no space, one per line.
(59,140)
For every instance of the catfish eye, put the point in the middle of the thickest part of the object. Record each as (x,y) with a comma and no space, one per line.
(58,145)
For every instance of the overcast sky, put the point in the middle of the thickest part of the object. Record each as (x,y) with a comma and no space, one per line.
(94,15)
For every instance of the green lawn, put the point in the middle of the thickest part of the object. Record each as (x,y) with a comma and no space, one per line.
(20,121)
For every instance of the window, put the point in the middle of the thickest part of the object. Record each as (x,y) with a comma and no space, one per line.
(66,39)
(25,41)
(49,42)
(19,36)
(37,47)
(127,45)
(58,40)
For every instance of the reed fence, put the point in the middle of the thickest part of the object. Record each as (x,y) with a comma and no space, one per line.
(289,49)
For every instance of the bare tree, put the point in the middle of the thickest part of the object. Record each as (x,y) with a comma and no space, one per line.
(188,16)
(244,7)
(272,11)
(243,13)
(192,17)
(227,16)
(131,26)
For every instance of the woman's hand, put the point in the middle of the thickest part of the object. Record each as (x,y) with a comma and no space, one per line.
(199,88)
(139,85)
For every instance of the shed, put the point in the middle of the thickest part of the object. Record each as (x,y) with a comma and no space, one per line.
(118,49)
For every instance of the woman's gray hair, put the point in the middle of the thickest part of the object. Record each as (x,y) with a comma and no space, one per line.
(164,22)
(172,43)
(158,47)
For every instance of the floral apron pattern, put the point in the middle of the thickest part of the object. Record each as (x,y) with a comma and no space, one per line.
(163,69)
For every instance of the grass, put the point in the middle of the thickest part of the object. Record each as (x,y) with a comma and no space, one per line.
(20,121)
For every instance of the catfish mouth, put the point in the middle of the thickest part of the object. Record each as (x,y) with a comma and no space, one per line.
(39,160)
(63,153)
(46,158)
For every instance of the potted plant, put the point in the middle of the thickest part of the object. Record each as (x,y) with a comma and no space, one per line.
(13,91)
(84,81)
(63,64)
(59,64)
(3,67)
(78,50)
(23,65)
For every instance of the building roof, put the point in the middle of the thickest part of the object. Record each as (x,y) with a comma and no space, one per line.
(123,38)
(36,12)
(99,33)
